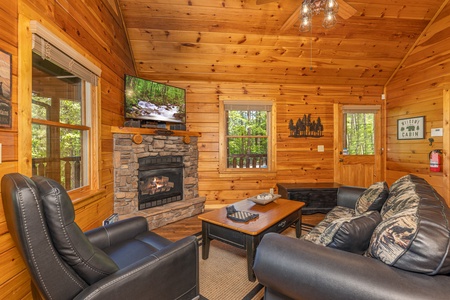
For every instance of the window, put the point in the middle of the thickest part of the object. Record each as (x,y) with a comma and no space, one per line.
(359,130)
(247,128)
(63,103)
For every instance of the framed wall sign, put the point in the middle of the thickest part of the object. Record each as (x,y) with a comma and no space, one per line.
(411,128)
(5,89)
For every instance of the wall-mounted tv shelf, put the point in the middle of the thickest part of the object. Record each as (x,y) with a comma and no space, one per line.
(151,131)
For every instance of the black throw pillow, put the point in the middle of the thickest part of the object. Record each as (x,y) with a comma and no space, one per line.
(351,234)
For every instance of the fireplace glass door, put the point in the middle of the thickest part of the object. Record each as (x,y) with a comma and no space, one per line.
(160,181)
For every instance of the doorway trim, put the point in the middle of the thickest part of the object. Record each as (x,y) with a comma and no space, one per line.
(338,109)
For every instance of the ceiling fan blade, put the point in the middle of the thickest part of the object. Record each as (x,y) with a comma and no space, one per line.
(345,10)
(259,2)
(291,20)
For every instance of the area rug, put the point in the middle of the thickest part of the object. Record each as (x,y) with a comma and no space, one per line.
(224,274)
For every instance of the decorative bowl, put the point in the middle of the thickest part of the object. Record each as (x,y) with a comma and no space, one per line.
(264,198)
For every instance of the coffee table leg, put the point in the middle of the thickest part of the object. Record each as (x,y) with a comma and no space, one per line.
(205,241)
(250,246)
(298,225)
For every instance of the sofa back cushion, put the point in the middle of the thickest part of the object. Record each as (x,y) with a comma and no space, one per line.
(414,234)
(90,262)
(372,198)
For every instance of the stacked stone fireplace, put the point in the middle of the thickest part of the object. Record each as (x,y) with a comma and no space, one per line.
(156,178)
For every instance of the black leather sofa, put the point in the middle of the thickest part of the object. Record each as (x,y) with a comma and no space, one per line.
(299,269)
(122,260)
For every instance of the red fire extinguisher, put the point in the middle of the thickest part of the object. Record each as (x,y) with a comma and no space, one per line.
(435,160)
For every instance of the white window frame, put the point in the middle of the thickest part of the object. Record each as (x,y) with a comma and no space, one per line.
(271,143)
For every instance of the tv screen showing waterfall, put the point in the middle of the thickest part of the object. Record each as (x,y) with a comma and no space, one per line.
(154,101)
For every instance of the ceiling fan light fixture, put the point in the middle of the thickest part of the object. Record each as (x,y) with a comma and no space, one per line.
(329,20)
(310,7)
(331,6)
(305,24)
(306,9)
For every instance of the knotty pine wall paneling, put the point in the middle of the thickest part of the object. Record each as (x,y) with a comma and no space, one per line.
(297,158)
(95,27)
(8,43)
(14,279)
(418,89)
(98,29)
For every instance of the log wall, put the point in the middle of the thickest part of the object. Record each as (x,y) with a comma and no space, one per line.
(420,88)
(96,27)
(14,279)
(297,158)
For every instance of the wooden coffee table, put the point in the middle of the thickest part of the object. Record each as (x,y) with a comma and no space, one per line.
(273,217)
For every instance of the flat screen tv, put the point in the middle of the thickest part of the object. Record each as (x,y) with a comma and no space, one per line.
(153,101)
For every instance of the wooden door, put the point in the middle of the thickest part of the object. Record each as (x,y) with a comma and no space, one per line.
(356,169)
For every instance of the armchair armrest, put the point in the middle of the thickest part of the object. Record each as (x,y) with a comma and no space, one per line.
(171,273)
(302,270)
(114,233)
(348,195)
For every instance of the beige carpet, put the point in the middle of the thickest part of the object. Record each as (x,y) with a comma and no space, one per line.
(224,274)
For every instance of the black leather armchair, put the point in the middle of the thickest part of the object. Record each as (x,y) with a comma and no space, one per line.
(122,260)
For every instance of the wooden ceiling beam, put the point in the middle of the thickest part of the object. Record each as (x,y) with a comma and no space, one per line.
(265,78)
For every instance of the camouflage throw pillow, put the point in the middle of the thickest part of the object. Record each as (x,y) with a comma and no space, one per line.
(336,213)
(373,198)
(393,236)
(351,234)
(402,195)
(406,200)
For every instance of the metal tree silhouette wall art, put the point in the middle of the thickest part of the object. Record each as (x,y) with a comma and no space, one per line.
(305,127)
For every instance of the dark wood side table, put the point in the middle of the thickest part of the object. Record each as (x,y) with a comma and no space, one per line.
(276,216)
(318,197)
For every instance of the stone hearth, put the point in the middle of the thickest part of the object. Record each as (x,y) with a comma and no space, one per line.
(126,155)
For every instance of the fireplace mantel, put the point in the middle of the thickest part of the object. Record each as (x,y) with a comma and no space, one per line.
(151,131)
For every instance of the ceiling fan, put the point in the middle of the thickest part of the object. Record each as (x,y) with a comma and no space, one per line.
(345,11)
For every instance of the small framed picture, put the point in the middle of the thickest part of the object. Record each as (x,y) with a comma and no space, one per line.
(5,89)
(411,128)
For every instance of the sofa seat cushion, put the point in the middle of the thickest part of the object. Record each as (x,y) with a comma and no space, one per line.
(336,213)
(351,234)
(372,198)
(414,234)
(142,246)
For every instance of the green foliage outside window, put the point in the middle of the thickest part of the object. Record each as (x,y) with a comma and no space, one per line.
(360,133)
(38,141)
(247,137)
(39,132)
(70,112)
(70,140)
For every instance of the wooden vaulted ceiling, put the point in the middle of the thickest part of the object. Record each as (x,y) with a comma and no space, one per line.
(240,41)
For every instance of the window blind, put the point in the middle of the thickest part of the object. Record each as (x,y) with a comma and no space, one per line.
(249,105)
(359,109)
(49,52)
